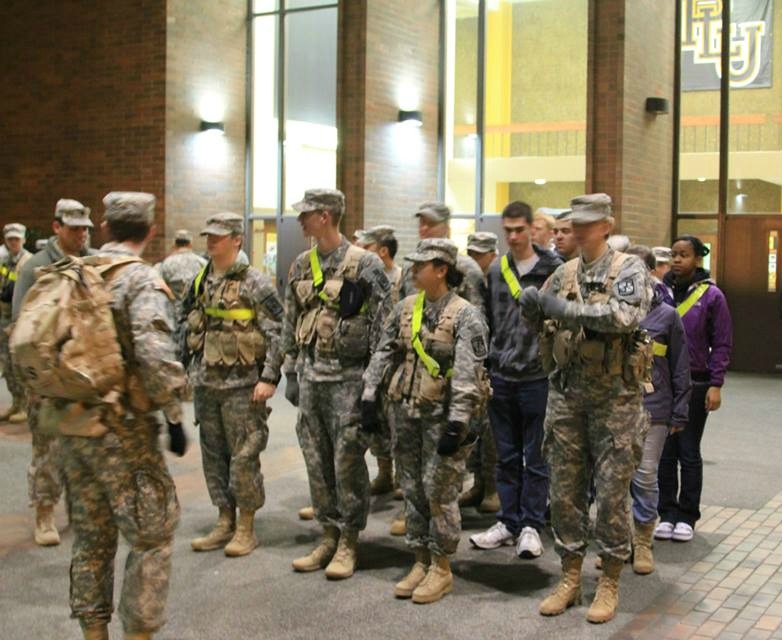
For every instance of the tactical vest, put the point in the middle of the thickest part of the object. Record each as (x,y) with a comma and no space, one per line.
(598,354)
(320,325)
(412,381)
(222,327)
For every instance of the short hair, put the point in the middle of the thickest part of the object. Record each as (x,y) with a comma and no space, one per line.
(643,252)
(549,220)
(182,242)
(518,209)
(128,230)
(390,243)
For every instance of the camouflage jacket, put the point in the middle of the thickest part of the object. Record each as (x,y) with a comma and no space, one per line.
(144,318)
(179,270)
(472,289)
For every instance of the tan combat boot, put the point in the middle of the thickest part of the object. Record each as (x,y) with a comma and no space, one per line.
(568,591)
(307,513)
(384,482)
(343,564)
(408,584)
(321,555)
(244,540)
(99,632)
(11,410)
(491,501)
(607,595)
(220,535)
(20,415)
(46,534)
(473,496)
(399,524)
(437,583)
(643,560)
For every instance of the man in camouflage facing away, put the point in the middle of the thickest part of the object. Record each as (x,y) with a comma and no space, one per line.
(595,420)
(335,300)
(118,481)
(232,342)
(181,267)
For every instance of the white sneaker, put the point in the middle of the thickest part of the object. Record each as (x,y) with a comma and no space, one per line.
(663,531)
(530,545)
(496,536)
(682,532)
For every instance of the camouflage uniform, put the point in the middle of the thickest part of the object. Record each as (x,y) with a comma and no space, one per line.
(430,481)
(178,271)
(330,360)
(119,482)
(595,419)
(224,371)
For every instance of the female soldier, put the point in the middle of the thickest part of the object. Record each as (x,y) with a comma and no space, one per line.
(432,348)
(708,327)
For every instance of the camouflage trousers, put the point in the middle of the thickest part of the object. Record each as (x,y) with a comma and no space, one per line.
(430,482)
(119,483)
(333,445)
(44,474)
(483,458)
(592,432)
(381,442)
(233,434)
(13,383)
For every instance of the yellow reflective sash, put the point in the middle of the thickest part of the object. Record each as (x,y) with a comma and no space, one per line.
(659,349)
(12,276)
(510,277)
(317,274)
(432,366)
(689,303)
(230,314)
(198,279)
(5,271)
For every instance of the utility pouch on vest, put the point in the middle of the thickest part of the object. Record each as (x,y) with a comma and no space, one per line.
(592,355)
(305,327)
(252,346)
(546,345)
(433,389)
(351,340)
(351,299)
(196,326)
(325,328)
(565,348)
(228,344)
(305,292)
(639,357)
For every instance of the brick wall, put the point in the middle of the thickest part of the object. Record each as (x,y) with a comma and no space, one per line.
(629,151)
(83,107)
(401,49)
(205,79)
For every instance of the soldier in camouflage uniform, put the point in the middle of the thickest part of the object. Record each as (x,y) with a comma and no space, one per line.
(335,300)
(71,226)
(433,345)
(232,342)
(13,239)
(595,420)
(181,267)
(118,481)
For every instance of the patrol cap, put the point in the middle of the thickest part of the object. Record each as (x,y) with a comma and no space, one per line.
(434,212)
(14,230)
(563,216)
(224,224)
(662,254)
(321,200)
(590,208)
(482,242)
(434,249)
(378,234)
(183,235)
(72,213)
(129,206)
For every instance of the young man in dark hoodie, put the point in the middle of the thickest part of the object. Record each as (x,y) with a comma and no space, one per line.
(667,405)
(518,405)
(708,326)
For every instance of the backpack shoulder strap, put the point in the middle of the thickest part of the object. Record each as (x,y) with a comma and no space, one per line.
(570,280)
(616,266)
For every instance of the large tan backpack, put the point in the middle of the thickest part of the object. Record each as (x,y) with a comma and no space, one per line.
(64,344)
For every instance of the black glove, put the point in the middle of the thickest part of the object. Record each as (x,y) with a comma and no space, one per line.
(177,440)
(554,306)
(450,440)
(292,388)
(529,301)
(370,421)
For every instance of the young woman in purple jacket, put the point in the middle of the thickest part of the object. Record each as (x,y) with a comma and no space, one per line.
(709,330)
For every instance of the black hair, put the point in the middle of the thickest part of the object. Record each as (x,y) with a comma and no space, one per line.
(125,231)
(518,209)
(390,243)
(182,242)
(643,252)
(700,249)
(454,277)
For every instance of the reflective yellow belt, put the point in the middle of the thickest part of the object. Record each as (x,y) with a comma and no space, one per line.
(659,349)
(689,303)
(510,277)
(230,314)
(432,366)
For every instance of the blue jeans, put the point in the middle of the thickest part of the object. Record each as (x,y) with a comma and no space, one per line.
(517,411)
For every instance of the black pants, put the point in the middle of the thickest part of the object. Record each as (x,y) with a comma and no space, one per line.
(683,450)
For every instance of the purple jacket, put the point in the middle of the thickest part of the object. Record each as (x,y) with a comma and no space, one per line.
(708,327)
(669,402)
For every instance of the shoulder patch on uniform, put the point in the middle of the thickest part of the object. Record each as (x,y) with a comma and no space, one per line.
(273,306)
(626,287)
(479,346)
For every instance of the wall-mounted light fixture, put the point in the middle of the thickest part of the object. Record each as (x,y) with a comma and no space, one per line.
(216,128)
(410,118)
(657,106)
(540,181)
